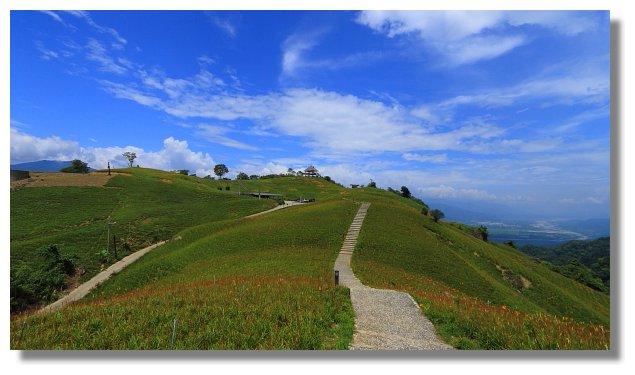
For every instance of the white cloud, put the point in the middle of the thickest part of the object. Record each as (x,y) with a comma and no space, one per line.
(216,134)
(223,23)
(174,155)
(464,37)
(444,191)
(478,48)
(53,15)
(89,20)
(438,158)
(25,148)
(96,52)
(566,22)
(294,48)
(297,46)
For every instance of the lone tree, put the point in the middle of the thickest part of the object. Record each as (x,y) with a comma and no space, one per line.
(372,184)
(483,232)
(77,166)
(437,215)
(220,170)
(131,156)
(242,176)
(405,192)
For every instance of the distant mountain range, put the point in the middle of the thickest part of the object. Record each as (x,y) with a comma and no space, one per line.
(43,166)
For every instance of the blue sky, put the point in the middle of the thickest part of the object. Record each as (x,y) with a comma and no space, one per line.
(510,108)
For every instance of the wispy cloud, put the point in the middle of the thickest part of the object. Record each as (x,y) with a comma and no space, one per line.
(569,84)
(296,55)
(54,16)
(81,14)
(46,53)
(96,52)
(435,158)
(465,37)
(217,134)
(294,49)
(223,23)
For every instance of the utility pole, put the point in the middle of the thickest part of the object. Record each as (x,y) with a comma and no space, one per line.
(108,168)
(108,238)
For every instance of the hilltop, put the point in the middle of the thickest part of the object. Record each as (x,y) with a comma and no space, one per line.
(267,283)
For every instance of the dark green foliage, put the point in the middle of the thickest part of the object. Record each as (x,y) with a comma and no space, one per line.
(483,232)
(184,171)
(437,215)
(220,170)
(372,184)
(39,282)
(425,210)
(580,273)
(420,202)
(77,166)
(242,176)
(594,254)
(328,178)
(405,192)
(510,243)
(254,177)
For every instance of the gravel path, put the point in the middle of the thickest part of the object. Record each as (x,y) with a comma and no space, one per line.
(89,285)
(384,319)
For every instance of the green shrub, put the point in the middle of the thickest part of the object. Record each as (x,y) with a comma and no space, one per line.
(33,284)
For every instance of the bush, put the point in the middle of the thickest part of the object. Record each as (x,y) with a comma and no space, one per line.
(437,215)
(77,166)
(405,192)
(35,285)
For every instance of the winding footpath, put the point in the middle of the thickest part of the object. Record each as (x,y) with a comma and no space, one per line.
(82,290)
(384,319)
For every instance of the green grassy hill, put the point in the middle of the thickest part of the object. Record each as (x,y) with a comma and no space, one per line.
(266,282)
(147,206)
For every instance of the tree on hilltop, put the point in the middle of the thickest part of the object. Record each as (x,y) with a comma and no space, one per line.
(131,156)
(405,192)
(220,170)
(77,166)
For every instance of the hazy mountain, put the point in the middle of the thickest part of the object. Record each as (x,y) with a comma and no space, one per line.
(42,165)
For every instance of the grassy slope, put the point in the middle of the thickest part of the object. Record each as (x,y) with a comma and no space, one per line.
(147,206)
(399,248)
(259,283)
(290,187)
(451,274)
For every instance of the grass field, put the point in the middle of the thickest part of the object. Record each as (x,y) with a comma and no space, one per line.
(147,206)
(259,283)
(267,282)
(463,282)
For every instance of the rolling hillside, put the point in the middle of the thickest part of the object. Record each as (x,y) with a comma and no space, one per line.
(146,206)
(266,282)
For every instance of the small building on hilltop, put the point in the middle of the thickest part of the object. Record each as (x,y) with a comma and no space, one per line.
(310,172)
